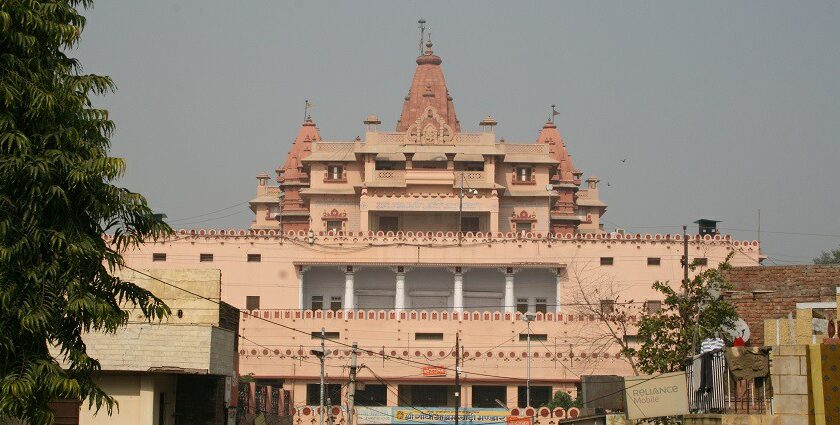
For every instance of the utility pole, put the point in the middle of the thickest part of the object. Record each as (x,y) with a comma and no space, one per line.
(457,375)
(323,355)
(528,318)
(351,390)
(685,260)
(528,378)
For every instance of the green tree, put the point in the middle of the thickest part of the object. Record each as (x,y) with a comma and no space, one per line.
(57,201)
(564,400)
(828,257)
(689,314)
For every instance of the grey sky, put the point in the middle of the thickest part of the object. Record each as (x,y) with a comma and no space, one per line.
(720,107)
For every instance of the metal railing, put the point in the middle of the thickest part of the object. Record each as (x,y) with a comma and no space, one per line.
(725,393)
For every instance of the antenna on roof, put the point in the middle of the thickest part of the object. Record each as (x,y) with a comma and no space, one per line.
(422,25)
(306,106)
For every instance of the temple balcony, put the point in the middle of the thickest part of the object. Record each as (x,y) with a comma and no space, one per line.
(434,287)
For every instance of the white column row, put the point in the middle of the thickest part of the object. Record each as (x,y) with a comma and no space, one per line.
(457,289)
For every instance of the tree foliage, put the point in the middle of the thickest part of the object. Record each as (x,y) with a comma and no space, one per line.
(56,202)
(831,257)
(689,314)
(564,400)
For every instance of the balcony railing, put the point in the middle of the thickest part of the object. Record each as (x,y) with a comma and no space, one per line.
(469,177)
(438,315)
(389,176)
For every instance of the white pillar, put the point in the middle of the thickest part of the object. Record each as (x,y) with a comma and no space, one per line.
(147,405)
(558,296)
(349,299)
(458,291)
(300,289)
(510,303)
(399,293)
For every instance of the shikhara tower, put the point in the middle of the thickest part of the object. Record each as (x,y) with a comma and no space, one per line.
(499,187)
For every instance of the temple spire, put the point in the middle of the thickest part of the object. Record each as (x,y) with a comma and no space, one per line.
(422,25)
(428,89)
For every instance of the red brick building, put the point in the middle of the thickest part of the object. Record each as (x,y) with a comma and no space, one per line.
(790,285)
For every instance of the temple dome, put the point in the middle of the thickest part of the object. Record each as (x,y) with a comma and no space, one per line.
(428,89)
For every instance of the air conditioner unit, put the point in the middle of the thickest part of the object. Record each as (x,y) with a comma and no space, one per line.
(619,230)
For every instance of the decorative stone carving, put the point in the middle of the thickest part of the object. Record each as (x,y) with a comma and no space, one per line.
(523,216)
(435,131)
(335,215)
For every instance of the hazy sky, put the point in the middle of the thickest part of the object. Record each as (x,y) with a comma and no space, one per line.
(720,107)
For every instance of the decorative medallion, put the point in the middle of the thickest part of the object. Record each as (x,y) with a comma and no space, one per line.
(429,129)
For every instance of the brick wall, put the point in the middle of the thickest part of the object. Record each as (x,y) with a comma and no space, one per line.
(792,284)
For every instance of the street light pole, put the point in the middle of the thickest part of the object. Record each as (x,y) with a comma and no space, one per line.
(528,318)
(323,354)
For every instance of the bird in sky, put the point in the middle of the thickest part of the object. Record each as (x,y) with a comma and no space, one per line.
(624,160)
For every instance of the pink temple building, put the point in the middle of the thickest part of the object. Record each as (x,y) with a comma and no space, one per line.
(399,241)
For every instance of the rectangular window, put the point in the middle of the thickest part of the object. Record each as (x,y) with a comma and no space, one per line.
(335,303)
(469,224)
(541,305)
(522,305)
(534,337)
(474,166)
(606,261)
(524,174)
(332,394)
(334,226)
(384,165)
(426,395)
(654,261)
(653,306)
(327,335)
(335,172)
(523,227)
(540,395)
(607,306)
(252,302)
(371,395)
(254,258)
(486,395)
(317,302)
(428,336)
(389,224)
(205,258)
(159,256)
(702,261)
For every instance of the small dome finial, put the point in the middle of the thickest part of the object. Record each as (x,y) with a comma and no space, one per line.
(429,44)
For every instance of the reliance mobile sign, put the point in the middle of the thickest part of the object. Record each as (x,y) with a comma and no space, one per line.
(653,396)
